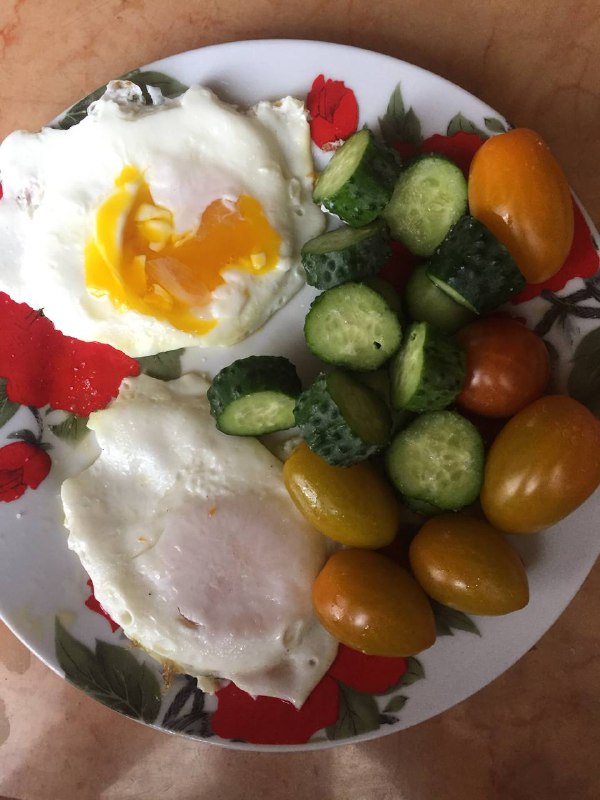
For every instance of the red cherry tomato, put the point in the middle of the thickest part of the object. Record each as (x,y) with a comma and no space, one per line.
(507,367)
(519,191)
(369,603)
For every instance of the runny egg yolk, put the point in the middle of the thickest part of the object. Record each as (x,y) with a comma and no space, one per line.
(138,259)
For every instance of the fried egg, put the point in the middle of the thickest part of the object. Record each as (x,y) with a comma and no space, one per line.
(152,227)
(194,546)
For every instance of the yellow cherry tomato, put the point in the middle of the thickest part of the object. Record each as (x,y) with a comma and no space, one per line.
(542,465)
(369,603)
(353,505)
(519,191)
(466,564)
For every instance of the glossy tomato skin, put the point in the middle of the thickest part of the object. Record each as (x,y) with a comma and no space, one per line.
(369,603)
(355,505)
(464,563)
(507,367)
(543,464)
(519,191)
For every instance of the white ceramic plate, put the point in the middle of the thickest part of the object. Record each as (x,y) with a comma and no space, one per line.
(42,581)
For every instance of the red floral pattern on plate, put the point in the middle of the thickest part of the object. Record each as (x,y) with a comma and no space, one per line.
(22,466)
(93,604)
(43,366)
(266,720)
(333,112)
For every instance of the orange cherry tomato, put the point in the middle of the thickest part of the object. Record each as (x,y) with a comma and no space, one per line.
(519,191)
(507,367)
(543,464)
(369,603)
(466,564)
(354,505)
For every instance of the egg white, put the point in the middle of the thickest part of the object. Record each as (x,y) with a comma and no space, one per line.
(192,151)
(194,546)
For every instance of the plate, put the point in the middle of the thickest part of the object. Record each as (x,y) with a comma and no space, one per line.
(45,596)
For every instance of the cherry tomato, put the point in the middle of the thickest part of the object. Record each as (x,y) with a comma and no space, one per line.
(519,191)
(371,604)
(466,564)
(542,465)
(507,367)
(353,505)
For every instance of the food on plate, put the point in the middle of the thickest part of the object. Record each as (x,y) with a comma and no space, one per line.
(354,505)
(464,563)
(438,459)
(519,191)
(508,366)
(429,197)
(544,463)
(255,395)
(194,546)
(342,420)
(474,268)
(345,254)
(373,605)
(426,302)
(152,227)
(352,326)
(429,370)
(357,183)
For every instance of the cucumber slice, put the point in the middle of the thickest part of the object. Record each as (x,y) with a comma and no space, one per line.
(341,420)
(474,268)
(255,395)
(439,459)
(426,302)
(428,372)
(345,254)
(388,292)
(359,180)
(352,326)
(430,196)
(379,381)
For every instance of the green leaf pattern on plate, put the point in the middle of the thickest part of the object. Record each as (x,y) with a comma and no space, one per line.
(399,124)
(460,123)
(71,429)
(448,620)
(170,87)
(111,675)
(584,379)
(163,366)
(7,408)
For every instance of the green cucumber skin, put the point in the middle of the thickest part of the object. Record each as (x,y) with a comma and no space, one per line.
(426,302)
(360,260)
(326,328)
(367,191)
(402,216)
(476,267)
(439,459)
(442,375)
(325,430)
(249,375)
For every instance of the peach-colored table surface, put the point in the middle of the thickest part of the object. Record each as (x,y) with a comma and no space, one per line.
(534,732)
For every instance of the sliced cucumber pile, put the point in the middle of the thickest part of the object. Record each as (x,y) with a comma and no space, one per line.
(474,268)
(429,197)
(255,395)
(429,371)
(358,181)
(345,254)
(438,459)
(352,326)
(342,420)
